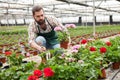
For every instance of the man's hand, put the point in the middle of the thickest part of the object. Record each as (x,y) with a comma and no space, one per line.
(42,49)
(69,41)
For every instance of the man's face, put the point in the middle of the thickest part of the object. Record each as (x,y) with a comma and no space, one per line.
(39,17)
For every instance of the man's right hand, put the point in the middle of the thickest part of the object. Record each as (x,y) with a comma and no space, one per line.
(42,49)
(36,46)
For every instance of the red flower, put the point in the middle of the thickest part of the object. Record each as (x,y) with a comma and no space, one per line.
(38,73)
(83,41)
(48,72)
(108,43)
(92,49)
(32,77)
(8,53)
(103,49)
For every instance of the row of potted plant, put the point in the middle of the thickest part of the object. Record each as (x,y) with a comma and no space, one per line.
(82,62)
(85,61)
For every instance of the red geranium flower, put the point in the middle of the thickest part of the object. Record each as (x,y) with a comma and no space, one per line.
(38,73)
(8,53)
(108,43)
(92,49)
(48,72)
(32,77)
(103,49)
(83,41)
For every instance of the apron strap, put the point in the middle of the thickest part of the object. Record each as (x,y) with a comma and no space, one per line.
(49,24)
(38,28)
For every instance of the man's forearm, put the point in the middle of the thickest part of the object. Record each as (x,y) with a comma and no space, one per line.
(35,45)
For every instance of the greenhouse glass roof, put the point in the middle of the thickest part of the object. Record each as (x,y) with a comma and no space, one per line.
(17,9)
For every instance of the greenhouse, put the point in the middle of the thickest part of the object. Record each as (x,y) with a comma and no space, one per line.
(59,39)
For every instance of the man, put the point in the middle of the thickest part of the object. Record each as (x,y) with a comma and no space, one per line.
(41,32)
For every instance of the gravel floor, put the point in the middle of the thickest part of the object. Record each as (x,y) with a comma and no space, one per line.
(110,73)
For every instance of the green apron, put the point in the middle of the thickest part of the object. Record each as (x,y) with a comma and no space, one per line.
(51,37)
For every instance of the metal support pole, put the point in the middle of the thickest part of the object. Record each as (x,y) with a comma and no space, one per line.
(94,18)
(33,2)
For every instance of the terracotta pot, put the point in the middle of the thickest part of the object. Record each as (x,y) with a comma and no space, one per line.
(43,61)
(64,44)
(1,45)
(26,49)
(22,43)
(0,51)
(103,74)
(116,65)
(35,52)
(18,53)
(2,59)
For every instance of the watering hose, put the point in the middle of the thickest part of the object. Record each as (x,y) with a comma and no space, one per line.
(115,74)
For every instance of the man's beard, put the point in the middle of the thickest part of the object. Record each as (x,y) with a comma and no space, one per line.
(41,22)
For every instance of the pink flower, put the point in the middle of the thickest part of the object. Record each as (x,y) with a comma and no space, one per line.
(28,54)
(58,29)
(71,59)
(74,51)
(103,50)
(48,72)
(80,61)
(70,25)
(108,43)
(37,73)
(92,49)
(83,41)
(32,77)
(75,47)
(63,55)
(67,25)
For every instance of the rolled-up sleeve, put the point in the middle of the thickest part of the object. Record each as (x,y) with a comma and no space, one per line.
(56,23)
(31,33)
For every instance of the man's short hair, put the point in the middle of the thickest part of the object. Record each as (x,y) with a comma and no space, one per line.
(36,9)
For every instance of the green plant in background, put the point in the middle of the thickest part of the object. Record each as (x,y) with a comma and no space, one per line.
(113,54)
(13,59)
(20,72)
(17,70)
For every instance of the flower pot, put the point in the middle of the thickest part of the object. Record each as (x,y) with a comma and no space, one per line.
(116,65)
(64,44)
(0,51)
(18,53)
(103,74)
(2,59)
(35,52)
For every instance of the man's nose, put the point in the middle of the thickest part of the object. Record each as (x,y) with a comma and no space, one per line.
(40,17)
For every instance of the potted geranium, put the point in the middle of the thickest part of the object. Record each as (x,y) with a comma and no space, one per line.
(113,54)
(63,37)
(17,69)
(74,65)
(46,74)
